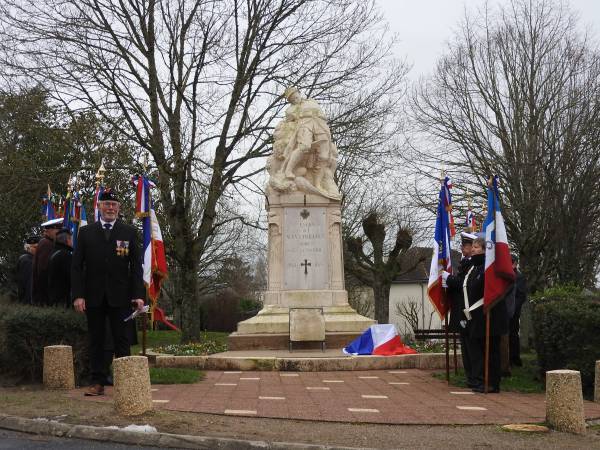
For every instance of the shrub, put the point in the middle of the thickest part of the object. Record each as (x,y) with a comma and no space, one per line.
(26,330)
(566,323)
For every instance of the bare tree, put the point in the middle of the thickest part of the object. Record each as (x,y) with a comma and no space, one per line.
(376,253)
(518,94)
(197,84)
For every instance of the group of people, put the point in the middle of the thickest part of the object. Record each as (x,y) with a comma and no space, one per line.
(44,271)
(101,278)
(465,289)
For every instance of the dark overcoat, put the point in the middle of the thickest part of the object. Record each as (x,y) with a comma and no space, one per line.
(108,268)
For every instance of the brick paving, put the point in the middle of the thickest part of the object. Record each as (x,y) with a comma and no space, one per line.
(409,396)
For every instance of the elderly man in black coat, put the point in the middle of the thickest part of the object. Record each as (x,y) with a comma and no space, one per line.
(106,277)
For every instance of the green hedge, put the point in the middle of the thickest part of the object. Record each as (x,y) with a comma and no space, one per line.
(566,323)
(26,330)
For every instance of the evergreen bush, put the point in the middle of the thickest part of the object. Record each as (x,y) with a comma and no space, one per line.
(25,331)
(566,324)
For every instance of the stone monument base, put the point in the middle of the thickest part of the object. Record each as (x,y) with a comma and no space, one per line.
(269,329)
(280,341)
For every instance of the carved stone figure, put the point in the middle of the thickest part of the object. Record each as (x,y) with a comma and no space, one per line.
(304,157)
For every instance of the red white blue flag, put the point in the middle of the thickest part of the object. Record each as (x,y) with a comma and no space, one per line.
(441,260)
(382,340)
(470,222)
(499,274)
(48,206)
(155,261)
(97,194)
(78,217)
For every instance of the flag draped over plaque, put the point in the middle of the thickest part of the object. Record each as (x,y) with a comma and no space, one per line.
(499,274)
(440,259)
(154,260)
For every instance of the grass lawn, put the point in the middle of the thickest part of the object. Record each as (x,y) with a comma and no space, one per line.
(164,375)
(523,379)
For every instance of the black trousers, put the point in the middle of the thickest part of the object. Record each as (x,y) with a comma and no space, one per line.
(477,354)
(466,357)
(97,318)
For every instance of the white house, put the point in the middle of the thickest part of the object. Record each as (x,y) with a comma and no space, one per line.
(409,303)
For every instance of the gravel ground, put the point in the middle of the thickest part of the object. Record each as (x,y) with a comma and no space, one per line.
(33,402)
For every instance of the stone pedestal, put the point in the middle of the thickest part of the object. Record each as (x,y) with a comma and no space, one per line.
(564,401)
(132,392)
(58,367)
(597,383)
(305,266)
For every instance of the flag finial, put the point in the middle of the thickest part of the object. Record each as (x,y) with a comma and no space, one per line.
(100,173)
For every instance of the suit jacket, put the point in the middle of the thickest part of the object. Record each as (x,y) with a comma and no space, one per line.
(107,268)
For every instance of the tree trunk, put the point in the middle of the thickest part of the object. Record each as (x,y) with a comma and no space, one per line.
(190,301)
(381,292)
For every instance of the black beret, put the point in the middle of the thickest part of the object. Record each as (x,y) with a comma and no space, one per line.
(108,194)
(32,239)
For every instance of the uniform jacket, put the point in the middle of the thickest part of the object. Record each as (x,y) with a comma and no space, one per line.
(39,277)
(110,268)
(59,275)
(499,315)
(455,292)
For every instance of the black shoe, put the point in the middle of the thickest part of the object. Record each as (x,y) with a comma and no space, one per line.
(481,390)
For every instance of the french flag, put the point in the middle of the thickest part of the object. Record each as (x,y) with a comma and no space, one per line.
(48,208)
(98,193)
(440,259)
(382,340)
(499,273)
(155,261)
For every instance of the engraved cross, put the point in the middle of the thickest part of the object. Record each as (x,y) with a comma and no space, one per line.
(306,264)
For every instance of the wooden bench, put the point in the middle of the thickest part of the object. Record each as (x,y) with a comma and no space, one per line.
(439,333)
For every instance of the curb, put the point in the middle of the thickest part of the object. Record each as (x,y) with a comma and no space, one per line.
(57,429)
(299,364)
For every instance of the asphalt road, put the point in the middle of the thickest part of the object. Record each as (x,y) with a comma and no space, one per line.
(14,440)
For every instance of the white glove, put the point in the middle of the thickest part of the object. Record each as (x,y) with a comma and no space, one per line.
(444,278)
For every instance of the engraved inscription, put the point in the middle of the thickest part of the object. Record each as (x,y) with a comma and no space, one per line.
(305,248)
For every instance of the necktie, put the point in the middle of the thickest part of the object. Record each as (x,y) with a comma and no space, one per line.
(107,227)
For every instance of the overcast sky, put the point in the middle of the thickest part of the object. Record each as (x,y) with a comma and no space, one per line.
(423,26)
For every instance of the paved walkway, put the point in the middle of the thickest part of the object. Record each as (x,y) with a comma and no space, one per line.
(410,396)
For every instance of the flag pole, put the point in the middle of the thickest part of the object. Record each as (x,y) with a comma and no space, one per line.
(145,319)
(447,347)
(486,377)
(446,337)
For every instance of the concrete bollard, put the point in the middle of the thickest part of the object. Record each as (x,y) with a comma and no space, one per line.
(564,401)
(58,367)
(132,392)
(597,383)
